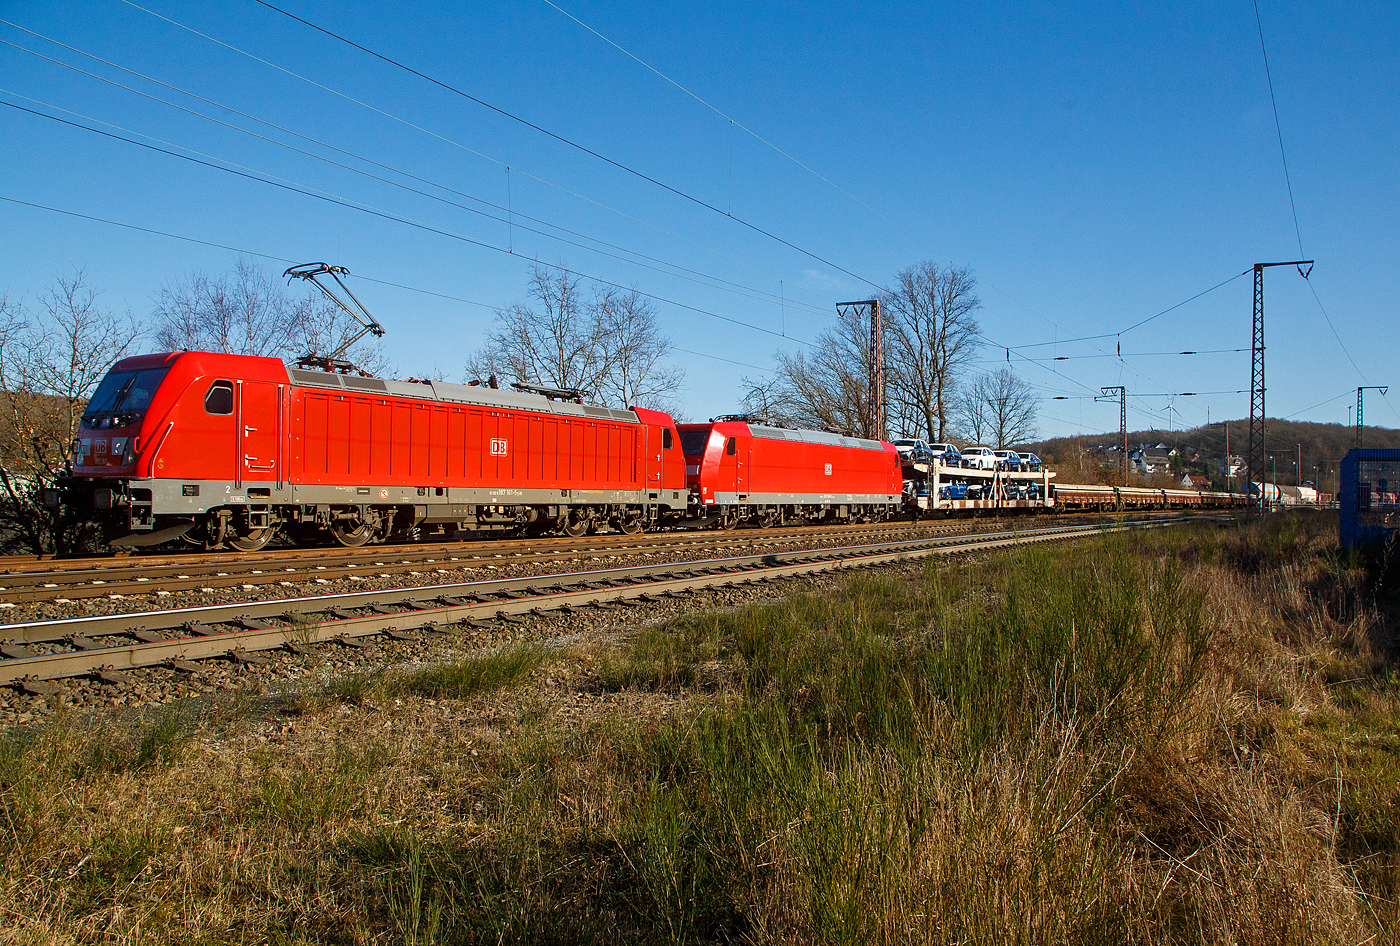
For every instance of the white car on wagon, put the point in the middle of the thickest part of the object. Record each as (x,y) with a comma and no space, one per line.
(979,458)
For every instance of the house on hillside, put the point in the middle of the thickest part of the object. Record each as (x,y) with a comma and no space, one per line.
(1147,460)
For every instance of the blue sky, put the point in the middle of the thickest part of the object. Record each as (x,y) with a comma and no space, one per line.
(1093,164)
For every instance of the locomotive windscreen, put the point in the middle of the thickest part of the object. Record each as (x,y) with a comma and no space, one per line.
(693,441)
(122,398)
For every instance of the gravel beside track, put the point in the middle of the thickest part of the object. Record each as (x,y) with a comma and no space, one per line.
(295,653)
(379,570)
(131,577)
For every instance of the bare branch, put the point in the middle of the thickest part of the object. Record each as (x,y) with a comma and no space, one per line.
(999,408)
(609,346)
(250,312)
(932,335)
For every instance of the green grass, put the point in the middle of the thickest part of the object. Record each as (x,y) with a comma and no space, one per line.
(472,675)
(874,728)
(1176,737)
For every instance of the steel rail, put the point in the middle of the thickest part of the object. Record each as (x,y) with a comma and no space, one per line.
(562,591)
(15,568)
(26,632)
(21,570)
(172,578)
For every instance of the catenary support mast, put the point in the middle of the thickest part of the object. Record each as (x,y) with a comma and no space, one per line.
(1257,450)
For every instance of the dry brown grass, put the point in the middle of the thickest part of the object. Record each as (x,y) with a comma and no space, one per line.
(1185,738)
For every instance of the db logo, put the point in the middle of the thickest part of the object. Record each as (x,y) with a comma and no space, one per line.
(498,447)
(828,469)
(383,494)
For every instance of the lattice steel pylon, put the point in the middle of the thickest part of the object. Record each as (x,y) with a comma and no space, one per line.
(1120,394)
(1369,387)
(1257,451)
(877,417)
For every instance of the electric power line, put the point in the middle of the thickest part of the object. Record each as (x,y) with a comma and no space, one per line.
(385,215)
(770,296)
(281,259)
(1279,128)
(513,117)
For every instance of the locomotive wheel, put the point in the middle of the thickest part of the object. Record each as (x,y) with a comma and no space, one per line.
(574,525)
(253,541)
(631,526)
(729,521)
(207,535)
(352,536)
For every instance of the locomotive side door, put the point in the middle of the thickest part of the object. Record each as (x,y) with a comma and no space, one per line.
(656,448)
(259,416)
(741,468)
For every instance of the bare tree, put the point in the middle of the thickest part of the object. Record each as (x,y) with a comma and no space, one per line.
(972,418)
(557,343)
(50,363)
(931,336)
(828,388)
(636,371)
(250,312)
(999,408)
(769,399)
(245,312)
(609,346)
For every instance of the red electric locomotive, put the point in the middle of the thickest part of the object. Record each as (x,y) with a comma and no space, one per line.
(742,471)
(230,450)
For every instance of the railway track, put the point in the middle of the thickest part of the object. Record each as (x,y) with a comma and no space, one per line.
(30,580)
(104,646)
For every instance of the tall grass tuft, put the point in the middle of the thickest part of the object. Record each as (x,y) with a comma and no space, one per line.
(940,760)
(470,676)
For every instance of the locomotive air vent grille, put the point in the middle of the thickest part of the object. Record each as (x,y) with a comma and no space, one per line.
(607,412)
(318,378)
(363,384)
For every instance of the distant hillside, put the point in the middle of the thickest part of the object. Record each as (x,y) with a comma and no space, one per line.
(1323,446)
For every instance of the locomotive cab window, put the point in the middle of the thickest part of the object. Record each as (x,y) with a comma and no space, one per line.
(666,442)
(729,447)
(693,441)
(219,400)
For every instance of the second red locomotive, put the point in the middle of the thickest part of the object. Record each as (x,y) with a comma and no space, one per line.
(740,471)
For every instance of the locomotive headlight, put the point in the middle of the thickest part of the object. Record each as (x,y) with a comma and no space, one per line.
(119,447)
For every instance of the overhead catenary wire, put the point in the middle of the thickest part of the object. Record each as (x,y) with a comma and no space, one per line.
(243,251)
(1138,324)
(1028,358)
(1347,393)
(1128,354)
(1278,126)
(406,123)
(503,112)
(1292,204)
(509,219)
(407,221)
(795,160)
(419,224)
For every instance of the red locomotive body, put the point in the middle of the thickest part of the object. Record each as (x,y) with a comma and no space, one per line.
(739,471)
(229,448)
